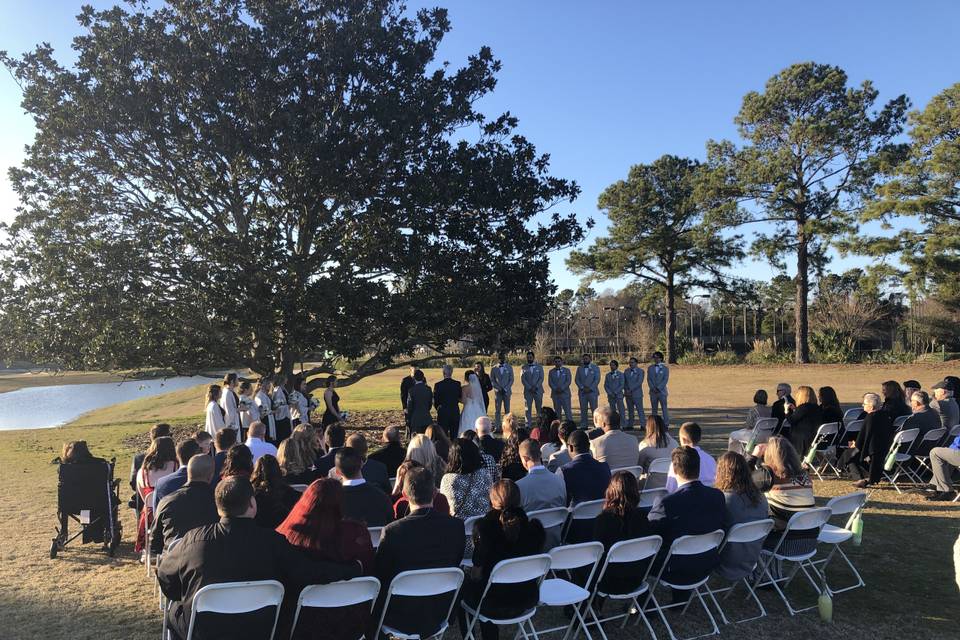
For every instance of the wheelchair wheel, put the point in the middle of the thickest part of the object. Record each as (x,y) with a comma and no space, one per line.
(115,540)
(54,548)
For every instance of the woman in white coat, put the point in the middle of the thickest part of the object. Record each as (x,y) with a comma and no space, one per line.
(229,402)
(265,404)
(247,407)
(214,421)
(299,402)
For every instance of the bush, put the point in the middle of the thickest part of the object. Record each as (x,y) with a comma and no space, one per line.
(766,352)
(719,358)
(831,346)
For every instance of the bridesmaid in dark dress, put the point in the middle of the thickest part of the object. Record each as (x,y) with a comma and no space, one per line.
(332,402)
(485,383)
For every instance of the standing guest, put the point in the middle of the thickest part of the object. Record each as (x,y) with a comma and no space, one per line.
(230,401)
(621,519)
(331,402)
(296,461)
(910,387)
(551,441)
(616,448)
(559,380)
(539,489)
(392,453)
(789,490)
(441,443)
(502,533)
(247,407)
(944,461)
(491,446)
(405,385)
(783,405)
(318,527)
(424,539)
(658,374)
(223,441)
(501,378)
(422,450)
(170,483)
(531,378)
(633,393)
(944,405)
(275,498)
(235,550)
(614,386)
(262,398)
(511,466)
(419,402)
(156,431)
(281,409)
(256,441)
(188,507)
(486,385)
(923,418)
(446,400)
(373,471)
(362,501)
(335,438)
(214,419)
(239,462)
(401,506)
(872,443)
(759,410)
(656,443)
(584,477)
(588,387)
(562,456)
(159,462)
(690,434)
(467,483)
(744,503)
(805,419)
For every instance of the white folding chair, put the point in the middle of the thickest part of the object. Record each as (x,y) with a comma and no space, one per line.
(337,594)
(650,497)
(237,598)
(900,451)
(636,470)
(510,571)
(800,521)
(375,534)
(761,432)
(921,454)
(553,521)
(745,533)
(588,510)
(299,487)
(468,532)
(850,504)
(951,435)
(687,546)
(151,504)
(851,414)
(421,583)
(560,592)
(660,468)
(824,437)
(625,552)
(899,422)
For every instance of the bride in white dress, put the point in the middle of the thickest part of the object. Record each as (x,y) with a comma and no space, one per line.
(472,397)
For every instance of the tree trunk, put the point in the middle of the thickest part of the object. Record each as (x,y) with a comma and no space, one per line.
(802,353)
(671,322)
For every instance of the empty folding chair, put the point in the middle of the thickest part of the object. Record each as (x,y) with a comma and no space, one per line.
(900,454)
(337,594)
(657,473)
(560,592)
(511,571)
(579,514)
(375,534)
(745,539)
(921,454)
(682,547)
(553,521)
(761,432)
(952,434)
(817,457)
(236,598)
(650,497)
(620,579)
(812,521)
(850,505)
(851,414)
(421,583)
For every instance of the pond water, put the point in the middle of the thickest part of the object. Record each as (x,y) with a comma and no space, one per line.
(41,407)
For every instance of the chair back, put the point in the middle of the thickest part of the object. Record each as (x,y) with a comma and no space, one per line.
(550,518)
(337,594)
(236,598)
(636,470)
(299,487)
(469,523)
(650,497)
(634,550)
(695,545)
(851,414)
(826,433)
(951,435)
(575,556)
(747,532)
(764,426)
(848,503)
(516,570)
(904,438)
(853,428)
(928,441)
(586,510)
(809,519)
(660,465)
(898,422)
(423,583)
(375,534)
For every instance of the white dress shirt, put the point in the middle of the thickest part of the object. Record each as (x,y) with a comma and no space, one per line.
(260,448)
(708,471)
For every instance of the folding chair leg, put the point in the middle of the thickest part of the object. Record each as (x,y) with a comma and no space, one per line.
(823,571)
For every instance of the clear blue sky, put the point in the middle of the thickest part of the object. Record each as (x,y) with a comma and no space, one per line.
(604,85)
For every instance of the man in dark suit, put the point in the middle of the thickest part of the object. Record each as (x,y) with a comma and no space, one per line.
(584,479)
(405,385)
(693,509)
(490,445)
(224,439)
(334,437)
(446,400)
(235,549)
(391,454)
(425,539)
(419,403)
(782,407)
(187,508)
(864,457)
(362,501)
(373,471)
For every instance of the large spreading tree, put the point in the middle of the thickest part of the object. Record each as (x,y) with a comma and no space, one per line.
(813,149)
(660,234)
(260,183)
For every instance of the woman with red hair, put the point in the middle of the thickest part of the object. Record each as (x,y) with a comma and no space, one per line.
(316,526)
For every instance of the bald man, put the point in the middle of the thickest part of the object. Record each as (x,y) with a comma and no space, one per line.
(186,508)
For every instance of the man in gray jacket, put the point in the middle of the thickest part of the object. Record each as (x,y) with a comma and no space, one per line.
(588,387)
(945,405)
(531,377)
(501,377)
(633,393)
(657,376)
(613,384)
(559,381)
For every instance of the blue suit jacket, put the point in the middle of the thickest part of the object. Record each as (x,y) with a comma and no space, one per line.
(585,478)
(693,509)
(169,484)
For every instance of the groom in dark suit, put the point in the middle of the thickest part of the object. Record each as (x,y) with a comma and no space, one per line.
(446,400)
(405,385)
(419,403)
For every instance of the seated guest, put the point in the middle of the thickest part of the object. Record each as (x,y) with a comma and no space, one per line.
(504,532)
(274,496)
(944,405)
(441,441)
(621,519)
(362,501)
(895,400)
(511,467)
(757,411)
(224,439)
(422,450)
(401,507)
(788,489)
(205,440)
(584,477)
(909,388)
(690,435)
(805,419)
(869,450)
(317,527)
(167,485)
(539,489)
(312,437)
(491,446)
(543,424)
(923,417)
(159,462)
(256,443)
(235,550)
(562,455)
(551,442)
(509,426)
(335,438)
(466,485)
(391,454)
(830,409)
(656,444)
(238,462)
(783,405)
(744,503)
(186,508)
(295,456)
(77,452)
(692,509)
(373,471)
(944,461)
(425,539)
(156,431)
(616,448)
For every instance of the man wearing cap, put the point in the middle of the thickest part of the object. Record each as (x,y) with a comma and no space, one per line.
(945,405)
(909,388)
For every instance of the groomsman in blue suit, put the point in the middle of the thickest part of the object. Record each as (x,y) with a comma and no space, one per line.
(559,381)
(613,384)
(531,377)
(633,393)
(588,387)
(501,377)
(657,376)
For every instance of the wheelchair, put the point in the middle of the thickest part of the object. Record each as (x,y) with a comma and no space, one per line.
(88,494)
